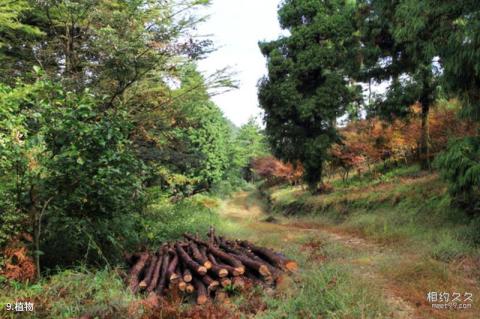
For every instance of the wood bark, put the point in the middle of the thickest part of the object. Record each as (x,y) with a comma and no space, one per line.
(189,262)
(210,282)
(218,253)
(261,268)
(156,273)
(271,256)
(162,281)
(202,294)
(217,267)
(199,257)
(171,274)
(149,273)
(186,273)
(135,272)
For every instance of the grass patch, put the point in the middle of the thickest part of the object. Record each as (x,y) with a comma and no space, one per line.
(70,294)
(401,207)
(326,286)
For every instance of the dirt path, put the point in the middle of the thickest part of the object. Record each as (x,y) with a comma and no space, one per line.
(248,210)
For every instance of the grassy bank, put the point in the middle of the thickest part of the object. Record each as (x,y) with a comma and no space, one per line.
(404,206)
(425,244)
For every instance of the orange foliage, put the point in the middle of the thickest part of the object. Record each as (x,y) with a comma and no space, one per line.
(373,140)
(275,171)
(19,265)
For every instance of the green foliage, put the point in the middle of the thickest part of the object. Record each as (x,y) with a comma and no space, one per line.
(460,166)
(308,85)
(165,221)
(19,149)
(70,170)
(186,140)
(250,142)
(11,21)
(75,155)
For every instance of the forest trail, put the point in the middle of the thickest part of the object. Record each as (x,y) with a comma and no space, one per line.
(247,210)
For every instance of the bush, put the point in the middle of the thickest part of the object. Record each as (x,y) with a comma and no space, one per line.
(460,166)
(68,169)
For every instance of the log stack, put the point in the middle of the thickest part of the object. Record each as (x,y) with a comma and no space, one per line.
(205,267)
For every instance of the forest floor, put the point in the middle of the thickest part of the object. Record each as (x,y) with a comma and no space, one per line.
(342,275)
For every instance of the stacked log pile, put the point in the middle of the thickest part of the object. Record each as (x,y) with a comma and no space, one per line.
(205,267)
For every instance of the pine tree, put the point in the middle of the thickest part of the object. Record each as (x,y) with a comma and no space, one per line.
(309,86)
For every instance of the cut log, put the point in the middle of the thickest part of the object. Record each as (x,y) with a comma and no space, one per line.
(204,252)
(212,284)
(277,260)
(190,289)
(199,257)
(227,269)
(217,269)
(274,271)
(189,262)
(261,268)
(149,273)
(135,272)
(202,294)
(186,274)
(218,253)
(156,273)
(162,281)
(257,265)
(171,274)
(182,285)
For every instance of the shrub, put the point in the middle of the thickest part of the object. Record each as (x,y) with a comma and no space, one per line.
(69,175)
(460,166)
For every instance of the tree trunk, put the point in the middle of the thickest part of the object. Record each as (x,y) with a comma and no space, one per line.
(424,153)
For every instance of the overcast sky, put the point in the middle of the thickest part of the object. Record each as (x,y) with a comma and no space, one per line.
(236,27)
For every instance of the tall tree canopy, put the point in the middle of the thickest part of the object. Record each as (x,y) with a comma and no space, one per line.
(400,51)
(309,83)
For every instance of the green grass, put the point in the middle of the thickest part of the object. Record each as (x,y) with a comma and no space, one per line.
(325,289)
(70,294)
(402,207)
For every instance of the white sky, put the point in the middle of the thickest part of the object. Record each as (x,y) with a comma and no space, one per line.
(236,27)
